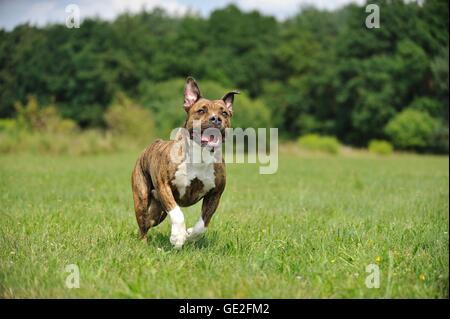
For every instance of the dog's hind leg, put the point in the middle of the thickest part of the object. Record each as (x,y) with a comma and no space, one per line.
(155,211)
(141,196)
(149,212)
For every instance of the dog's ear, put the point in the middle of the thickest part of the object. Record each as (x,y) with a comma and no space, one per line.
(229,99)
(191,93)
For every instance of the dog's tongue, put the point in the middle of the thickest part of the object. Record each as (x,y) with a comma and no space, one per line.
(206,139)
(209,140)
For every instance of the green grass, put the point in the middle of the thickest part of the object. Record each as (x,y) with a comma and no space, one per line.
(308,231)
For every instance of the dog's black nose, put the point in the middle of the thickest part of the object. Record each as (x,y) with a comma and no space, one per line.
(215,120)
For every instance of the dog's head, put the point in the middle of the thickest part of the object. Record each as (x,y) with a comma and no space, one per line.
(213,115)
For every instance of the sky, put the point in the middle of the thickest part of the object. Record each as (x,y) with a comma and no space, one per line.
(41,12)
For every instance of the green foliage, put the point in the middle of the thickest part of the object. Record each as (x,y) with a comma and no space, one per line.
(165,100)
(85,142)
(8,125)
(412,129)
(314,142)
(42,130)
(126,119)
(440,69)
(380,147)
(34,118)
(428,105)
(440,140)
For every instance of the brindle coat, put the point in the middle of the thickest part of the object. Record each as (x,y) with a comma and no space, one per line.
(154,192)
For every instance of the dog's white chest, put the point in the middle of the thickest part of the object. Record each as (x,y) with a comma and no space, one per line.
(187,172)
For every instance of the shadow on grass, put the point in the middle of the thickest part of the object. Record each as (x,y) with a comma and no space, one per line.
(161,240)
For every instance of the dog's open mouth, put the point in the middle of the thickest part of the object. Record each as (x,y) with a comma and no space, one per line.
(211,140)
(208,138)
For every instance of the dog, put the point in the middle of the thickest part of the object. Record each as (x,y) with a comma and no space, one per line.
(161,185)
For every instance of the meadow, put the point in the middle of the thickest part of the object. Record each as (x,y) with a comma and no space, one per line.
(308,231)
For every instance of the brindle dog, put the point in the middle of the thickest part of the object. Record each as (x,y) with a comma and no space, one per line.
(161,185)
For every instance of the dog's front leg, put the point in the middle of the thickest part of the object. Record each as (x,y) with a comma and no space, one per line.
(209,206)
(178,233)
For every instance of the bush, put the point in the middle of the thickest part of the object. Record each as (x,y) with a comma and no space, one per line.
(34,118)
(127,120)
(38,129)
(314,142)
(380,147)
(80,143)
(412,130)
(42,130)
(441,139)
(93,142)
(8,125)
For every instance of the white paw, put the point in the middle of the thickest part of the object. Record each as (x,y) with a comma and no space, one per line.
(178,237)
(193,235)
(178,234)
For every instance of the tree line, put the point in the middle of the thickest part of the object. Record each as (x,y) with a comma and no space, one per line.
(318,72)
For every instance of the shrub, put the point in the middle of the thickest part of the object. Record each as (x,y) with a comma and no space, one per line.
(314,142)
(93,142)
(412,129)
(440,139)
(127,120)
(80,143)
(34,118)
(42,130)
(380,147)
(8,125)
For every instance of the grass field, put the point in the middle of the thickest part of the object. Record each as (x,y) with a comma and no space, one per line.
(308,231)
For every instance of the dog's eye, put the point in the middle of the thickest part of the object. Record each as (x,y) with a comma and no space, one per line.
(224,113)
(201,111)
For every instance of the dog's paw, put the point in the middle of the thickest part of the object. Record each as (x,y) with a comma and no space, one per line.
(178,238)
(193,235)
